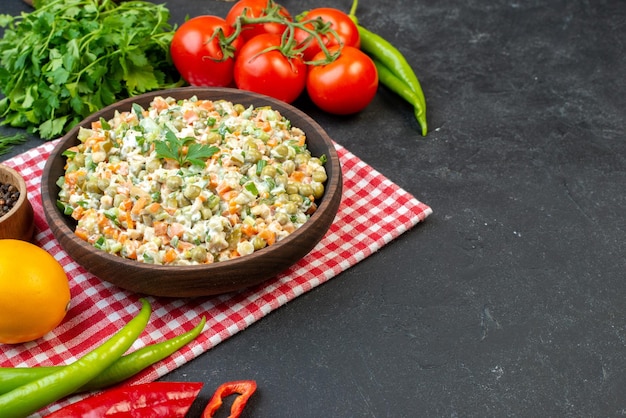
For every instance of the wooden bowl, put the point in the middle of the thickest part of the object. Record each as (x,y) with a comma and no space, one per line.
(200,280)
(18,222)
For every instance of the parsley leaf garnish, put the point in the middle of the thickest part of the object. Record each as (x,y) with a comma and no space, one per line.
(183,150)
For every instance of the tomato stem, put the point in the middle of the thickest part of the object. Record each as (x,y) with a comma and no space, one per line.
(289,47)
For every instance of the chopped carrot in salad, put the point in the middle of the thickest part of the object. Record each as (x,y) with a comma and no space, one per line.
(190,181)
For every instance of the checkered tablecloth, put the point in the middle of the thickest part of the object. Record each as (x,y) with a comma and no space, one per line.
(373,212)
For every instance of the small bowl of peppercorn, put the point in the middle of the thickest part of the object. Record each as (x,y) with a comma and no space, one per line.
(16,212)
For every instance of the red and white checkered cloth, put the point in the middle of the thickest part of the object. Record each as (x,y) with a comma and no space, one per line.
(373,212)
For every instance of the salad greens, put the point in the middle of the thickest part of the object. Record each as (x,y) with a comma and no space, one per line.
(70,58)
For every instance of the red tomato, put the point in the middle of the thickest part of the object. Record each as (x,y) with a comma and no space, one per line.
(256,8)
(340,22)
(200,59)
(271,72)
(346,85)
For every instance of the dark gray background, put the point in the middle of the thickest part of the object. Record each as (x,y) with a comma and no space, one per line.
(510,299)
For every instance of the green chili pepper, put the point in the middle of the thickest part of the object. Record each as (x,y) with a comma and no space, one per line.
(397,86)
(124,368)
(14,377)
(382,50)
(31,397)
(136,361)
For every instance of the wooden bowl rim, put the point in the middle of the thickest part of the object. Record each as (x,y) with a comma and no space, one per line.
(328,202)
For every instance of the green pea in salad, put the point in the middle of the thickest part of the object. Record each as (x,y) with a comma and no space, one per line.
(188,182)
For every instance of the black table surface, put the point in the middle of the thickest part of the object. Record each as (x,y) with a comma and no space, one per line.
(510,300)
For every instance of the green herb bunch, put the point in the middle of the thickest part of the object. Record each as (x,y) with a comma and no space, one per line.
(70,58)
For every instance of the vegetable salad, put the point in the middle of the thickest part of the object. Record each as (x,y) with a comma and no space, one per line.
(190,181)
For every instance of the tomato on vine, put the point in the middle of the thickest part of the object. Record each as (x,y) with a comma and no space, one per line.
(257,9)
(263,66)
(333,26)
(201,54)
(346,85)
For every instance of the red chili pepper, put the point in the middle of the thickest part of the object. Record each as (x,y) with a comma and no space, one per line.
(156,399)
(245,389)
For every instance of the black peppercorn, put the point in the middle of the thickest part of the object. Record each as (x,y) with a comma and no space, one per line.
(9,194)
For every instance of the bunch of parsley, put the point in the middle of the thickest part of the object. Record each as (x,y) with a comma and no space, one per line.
(70,58)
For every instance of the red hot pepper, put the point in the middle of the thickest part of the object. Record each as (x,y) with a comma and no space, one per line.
(244,388)
(156,399)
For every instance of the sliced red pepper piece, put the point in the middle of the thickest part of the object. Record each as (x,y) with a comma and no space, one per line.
(244,388)
(156,399)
